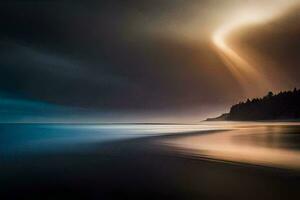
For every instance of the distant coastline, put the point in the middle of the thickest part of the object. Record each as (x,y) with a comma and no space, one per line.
(284,106)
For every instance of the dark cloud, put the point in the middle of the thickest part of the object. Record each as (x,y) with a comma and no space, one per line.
(100,54)
(39,74)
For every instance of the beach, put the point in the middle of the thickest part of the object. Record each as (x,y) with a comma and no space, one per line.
(154,166)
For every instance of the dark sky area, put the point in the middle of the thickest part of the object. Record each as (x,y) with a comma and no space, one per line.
(137,55)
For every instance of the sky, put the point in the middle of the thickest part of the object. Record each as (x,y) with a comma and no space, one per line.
(152,60)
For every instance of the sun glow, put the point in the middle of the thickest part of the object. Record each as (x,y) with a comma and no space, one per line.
(249,75)
(242,19)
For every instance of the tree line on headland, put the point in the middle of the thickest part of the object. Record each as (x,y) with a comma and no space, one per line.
(282,106)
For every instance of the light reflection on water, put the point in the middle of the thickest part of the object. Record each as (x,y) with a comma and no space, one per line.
(268,144)
(271,144)
(39,138)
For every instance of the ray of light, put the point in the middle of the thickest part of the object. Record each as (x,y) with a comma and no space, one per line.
(248,75)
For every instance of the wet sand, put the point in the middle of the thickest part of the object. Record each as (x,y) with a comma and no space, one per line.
(141,169)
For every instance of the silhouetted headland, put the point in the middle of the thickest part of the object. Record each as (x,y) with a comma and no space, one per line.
(282,106)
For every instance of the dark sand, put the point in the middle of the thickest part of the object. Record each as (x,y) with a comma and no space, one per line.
(139,169)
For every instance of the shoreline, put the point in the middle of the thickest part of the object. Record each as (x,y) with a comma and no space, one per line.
(138,168)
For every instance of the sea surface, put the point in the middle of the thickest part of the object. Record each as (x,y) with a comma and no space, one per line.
(20,138)
(273,144)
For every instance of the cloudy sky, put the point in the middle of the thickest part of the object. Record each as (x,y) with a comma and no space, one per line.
(161,57)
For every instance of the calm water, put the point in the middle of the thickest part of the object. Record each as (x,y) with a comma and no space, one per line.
(271,144)
(42,138)
(267,144)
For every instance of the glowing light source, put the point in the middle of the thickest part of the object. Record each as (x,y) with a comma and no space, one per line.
(244,72)
(238,21)
(247,74)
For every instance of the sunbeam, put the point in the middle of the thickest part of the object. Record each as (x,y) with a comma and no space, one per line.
(248,73)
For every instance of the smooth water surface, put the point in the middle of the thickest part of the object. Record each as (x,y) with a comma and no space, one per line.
(42,138)
(268,144)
